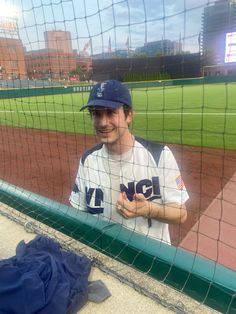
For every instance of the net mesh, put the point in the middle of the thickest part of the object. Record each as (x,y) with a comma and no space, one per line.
(178,61)
(169,298)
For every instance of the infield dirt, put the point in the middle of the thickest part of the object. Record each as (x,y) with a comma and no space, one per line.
(46,162)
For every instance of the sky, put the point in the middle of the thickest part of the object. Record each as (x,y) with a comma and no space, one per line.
(116,21)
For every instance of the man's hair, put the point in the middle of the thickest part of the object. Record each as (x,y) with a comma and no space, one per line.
(127,109)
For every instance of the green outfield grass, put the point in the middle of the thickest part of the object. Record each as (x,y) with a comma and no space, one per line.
(202,115)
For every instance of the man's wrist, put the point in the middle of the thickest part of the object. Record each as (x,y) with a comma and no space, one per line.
(153,210)
(149,212)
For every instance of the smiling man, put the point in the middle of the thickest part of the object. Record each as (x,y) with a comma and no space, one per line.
(126,179)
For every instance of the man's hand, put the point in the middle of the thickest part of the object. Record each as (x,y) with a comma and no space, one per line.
(139,206)
(168,213)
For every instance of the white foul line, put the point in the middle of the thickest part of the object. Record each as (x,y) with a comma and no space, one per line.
(136,113)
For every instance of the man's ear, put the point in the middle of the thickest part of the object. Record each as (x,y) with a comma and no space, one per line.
(130,117)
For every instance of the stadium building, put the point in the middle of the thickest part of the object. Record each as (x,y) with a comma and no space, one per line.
(218,24)
(163,47)
(58,60)
(49,64)
(12,60)
(58,40)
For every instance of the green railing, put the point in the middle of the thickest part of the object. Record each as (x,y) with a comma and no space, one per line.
(41,91)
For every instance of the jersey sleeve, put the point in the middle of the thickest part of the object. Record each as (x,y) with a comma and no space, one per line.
(172,184)
(77,196)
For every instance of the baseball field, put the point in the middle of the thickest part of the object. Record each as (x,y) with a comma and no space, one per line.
(200,115)
(42,139)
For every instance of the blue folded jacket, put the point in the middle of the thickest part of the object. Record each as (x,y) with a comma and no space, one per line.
(43,278)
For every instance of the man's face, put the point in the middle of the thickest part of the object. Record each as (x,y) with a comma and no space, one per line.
(111,125)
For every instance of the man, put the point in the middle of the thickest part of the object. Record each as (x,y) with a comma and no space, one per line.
(125,179)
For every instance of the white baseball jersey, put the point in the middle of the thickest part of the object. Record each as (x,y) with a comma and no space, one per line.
(147,168)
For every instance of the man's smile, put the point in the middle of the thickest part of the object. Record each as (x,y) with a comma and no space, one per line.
(105,131)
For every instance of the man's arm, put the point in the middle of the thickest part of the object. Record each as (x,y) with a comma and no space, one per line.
(140,207)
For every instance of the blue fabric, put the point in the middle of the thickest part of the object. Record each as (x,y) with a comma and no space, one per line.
(43,278)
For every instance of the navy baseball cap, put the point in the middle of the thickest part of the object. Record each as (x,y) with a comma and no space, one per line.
(109,94)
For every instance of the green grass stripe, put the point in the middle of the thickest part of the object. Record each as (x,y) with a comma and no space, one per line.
(202,115)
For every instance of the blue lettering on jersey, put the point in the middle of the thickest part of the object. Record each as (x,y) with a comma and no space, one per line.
(144,187)
(94,199)
(149,188)
(129,190)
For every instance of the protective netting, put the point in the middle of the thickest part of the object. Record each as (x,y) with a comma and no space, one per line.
(178,61)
